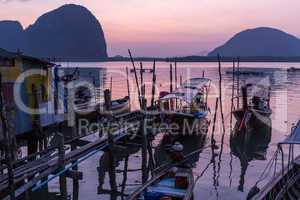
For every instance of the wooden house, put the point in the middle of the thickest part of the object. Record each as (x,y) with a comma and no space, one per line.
(33,89)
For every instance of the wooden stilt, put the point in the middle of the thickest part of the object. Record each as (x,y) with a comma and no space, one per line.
(144,146)
(112,168)
(73,119)
(61,164)
(153,85)
(171,78)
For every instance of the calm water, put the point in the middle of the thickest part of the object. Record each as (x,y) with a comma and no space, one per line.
(285,99)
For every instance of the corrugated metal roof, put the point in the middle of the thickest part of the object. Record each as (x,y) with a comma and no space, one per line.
(11,55)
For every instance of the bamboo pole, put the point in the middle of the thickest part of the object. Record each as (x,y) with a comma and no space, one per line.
(232,93)
(231,119)
(128,87)
(238,83)
(153,85)
(176,102)
(142,79)
(222,118)
(220,93)
(176,73)
(171,85)
(136,78)
(171,78)
(144,146)
(111,85)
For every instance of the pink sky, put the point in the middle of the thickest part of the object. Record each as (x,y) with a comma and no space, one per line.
(168,27)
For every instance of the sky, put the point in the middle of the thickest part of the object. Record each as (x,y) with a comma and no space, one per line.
(168,27)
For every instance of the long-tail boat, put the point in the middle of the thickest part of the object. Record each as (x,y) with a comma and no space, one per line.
(187,106)
(172,181)
(285,184)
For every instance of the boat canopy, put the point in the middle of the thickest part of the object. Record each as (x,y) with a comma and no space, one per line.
(189,90)
(259,90)
(294,138)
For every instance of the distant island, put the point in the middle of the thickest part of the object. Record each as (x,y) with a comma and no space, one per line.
(72,33)
(260,42)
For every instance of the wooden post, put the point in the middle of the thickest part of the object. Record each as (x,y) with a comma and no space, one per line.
(112,168)
(238,83)
(56,80)
(144,145)
(61,164)
(32,143)
(171,85)
(244,97)
(153,85)
(171,78)
(124,176)
(231,118)
(111,85)
(9,155)
(73,122)
(180,79)
(176,102)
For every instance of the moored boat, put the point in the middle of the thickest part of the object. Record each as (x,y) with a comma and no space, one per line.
(174,182)
(285,184)
(186,107)
(255,103)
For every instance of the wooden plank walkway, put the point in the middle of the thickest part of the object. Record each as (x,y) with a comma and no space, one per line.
(48,164)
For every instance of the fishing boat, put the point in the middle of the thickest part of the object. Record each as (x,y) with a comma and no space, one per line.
(285,184)
(248,72)
(143,70)
(255,102)
(117,107)
(175,181)
(293,69)
(187,106)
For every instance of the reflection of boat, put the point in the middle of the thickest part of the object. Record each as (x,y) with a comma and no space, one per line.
(285,184)
(190,144)
(256,102)
(250,143)
(186,107)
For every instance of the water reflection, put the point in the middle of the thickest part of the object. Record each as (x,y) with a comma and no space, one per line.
(121,152)
(249,142)
(191,143)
